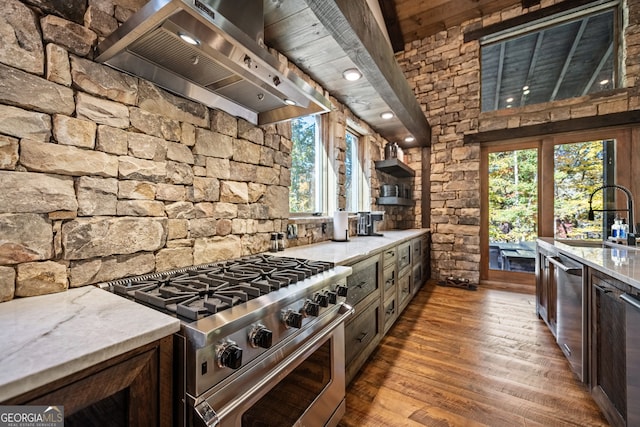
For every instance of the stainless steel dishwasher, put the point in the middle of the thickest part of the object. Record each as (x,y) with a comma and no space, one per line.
(632,327)
(571,306)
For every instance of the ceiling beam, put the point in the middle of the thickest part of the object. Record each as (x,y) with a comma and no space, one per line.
(532,65)
(567,61)
(388,8)
(596,72)
(496,99)
(355,29)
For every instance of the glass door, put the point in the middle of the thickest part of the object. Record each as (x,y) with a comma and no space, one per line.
(512,196)
(542,188)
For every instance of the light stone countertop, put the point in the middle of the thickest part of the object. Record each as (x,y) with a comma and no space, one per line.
(48,337)
(620,262)
(353,250)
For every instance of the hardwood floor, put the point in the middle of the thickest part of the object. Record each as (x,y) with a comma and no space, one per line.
(463,358)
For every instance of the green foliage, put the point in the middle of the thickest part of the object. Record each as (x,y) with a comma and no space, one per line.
(513,191)
(513,195)
(578,172)
(303,160)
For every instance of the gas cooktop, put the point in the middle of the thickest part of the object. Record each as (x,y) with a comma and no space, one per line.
(195,292)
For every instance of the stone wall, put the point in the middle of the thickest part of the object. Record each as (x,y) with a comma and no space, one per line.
(444,73)
(105,176)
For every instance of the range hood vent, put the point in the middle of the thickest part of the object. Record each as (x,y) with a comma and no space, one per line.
(227,68)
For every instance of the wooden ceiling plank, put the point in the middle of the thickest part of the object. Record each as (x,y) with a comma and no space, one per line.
(567,62)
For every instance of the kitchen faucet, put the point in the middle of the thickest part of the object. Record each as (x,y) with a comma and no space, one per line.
(629,209)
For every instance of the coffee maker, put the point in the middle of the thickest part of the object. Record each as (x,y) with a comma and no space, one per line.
(367,223)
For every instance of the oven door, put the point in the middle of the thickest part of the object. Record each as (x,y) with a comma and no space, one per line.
(305,387)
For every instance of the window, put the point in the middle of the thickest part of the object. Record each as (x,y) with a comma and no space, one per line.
(565,56)
(307,193)
(356,187)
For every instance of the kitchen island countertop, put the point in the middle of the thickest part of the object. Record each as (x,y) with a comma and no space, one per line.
(49,337)
(620,262)
(353,250)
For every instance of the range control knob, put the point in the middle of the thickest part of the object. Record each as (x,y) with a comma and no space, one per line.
(292,319)
(310,308)
(322,300)
(333,297)
(260,336)
(229,355)
(342,290)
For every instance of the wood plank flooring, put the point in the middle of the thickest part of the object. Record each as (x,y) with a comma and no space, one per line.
(462,358)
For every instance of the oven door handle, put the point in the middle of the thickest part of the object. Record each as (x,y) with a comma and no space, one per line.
(212,418)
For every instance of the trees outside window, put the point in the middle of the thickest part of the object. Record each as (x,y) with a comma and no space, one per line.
(305,171)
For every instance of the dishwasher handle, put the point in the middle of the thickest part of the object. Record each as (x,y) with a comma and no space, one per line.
(631,300)
(576,271)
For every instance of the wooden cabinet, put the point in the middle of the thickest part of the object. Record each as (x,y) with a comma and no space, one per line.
(390,280)
(379,288)
(417,259)
(546,290)
(134,389)
(364,330)
(608,347)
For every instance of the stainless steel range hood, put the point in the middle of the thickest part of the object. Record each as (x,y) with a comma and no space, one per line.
(227,68)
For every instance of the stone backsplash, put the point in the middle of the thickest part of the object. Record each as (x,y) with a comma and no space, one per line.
(105,176)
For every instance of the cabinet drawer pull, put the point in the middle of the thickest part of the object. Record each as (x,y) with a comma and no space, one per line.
(602,289)
(362,336)
(361,284)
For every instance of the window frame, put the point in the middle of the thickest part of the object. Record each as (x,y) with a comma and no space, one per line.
(626,155)
(361,197)
(521,27)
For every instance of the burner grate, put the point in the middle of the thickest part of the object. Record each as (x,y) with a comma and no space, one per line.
(194,292)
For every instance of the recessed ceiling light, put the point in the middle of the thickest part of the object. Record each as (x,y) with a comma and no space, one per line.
(604,82)
(525,88)
(386,115)
(289,101)
(509,99)
(187,38)
(526,92)
(352,74)
(508,105)
(409,138)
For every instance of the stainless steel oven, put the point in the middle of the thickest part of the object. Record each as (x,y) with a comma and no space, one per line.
(261,341)
(301,384)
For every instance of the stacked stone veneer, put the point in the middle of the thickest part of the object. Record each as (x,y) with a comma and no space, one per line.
(444,73)
(104,175)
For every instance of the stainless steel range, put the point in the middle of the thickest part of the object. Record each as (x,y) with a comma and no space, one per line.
(261,341)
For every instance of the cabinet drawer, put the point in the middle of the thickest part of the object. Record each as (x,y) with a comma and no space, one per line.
(416,249)
(360,332)
(389,280)
(404,290)
(417,276)
(363,280)
(404,256)
(390,312)
(389,257)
